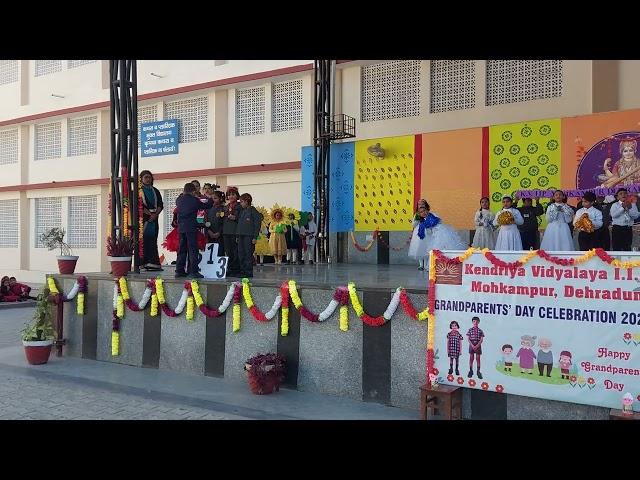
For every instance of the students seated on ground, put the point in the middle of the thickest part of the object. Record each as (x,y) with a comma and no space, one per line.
(6,295)
(20,289)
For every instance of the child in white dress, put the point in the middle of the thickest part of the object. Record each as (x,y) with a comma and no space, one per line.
(485,236)
(429,233)
(508,220)
(557,236)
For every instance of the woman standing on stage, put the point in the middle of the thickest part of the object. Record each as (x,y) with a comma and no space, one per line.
(152,201)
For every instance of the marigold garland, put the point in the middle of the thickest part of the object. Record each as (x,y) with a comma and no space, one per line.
(236,309)
(366,248)
(154,305)
(190,308)
(284,324)
(293,293)
(357,307)
(78,292)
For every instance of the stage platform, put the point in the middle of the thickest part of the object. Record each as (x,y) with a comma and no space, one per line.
(320,276)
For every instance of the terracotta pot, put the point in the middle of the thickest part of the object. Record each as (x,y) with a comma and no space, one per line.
(120,266)
(37,352)
(67,264)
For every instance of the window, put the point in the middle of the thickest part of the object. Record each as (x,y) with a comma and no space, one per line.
(511,81)
(48,141)
(169,199)
(8,147)
(82,136)
(192,116)
(8,71)
(250,111)
(146,114)
(47,67)
(453,85)
(9,230)
(48,215)
(286,106)
(78,63)
(83,222)
(390,90)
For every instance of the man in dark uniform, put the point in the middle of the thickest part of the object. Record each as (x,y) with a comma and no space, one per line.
(187,210)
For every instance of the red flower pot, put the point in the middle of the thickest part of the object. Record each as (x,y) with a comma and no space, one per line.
(120,266)
(262,386)
(37,352)
(67,264)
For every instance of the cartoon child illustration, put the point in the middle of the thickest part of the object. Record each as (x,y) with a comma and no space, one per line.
(525,354)
(475,336)
(545,356)
(565,364)
(454,343)
(507,357)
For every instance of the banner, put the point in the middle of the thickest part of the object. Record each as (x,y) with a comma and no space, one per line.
(307,181)
(561,328)
(159,138)
(603,192)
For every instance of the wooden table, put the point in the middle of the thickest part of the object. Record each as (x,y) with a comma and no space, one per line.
(442,403)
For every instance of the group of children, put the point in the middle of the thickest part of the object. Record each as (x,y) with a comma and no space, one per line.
(12,291)
(241,231)
(601,222)
(591,218)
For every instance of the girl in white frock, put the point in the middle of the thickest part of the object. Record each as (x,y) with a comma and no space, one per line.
(557,235)
(508,220)
(429,233)
(485,236)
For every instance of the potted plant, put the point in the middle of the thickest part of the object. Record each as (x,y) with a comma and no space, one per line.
(54,238)
(37,336)
(265,372)
(119,251)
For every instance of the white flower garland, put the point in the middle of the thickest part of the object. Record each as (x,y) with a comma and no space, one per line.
(327,312)
(393,305)
(274,309)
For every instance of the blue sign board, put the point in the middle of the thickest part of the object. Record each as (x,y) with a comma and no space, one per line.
(159,138)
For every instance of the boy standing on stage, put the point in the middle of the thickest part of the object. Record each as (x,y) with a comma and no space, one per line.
(623,213)
(249,222)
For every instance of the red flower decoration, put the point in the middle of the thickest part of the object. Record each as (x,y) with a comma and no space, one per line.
(627,336)
(499,388)
(472,382)
(460,380)
(573,378)
(591,381)
(435,371)
(450,378)
(485,386)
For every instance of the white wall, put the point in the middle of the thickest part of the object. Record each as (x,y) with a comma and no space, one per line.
(271,147)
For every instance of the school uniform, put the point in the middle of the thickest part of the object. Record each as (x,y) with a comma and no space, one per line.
(187,210)
(247,230)
(621,232)
(587,240)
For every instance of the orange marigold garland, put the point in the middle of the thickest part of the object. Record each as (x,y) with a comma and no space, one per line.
(366,248)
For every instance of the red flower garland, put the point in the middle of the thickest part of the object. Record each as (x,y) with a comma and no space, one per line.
(365,249)
(284,293)
(372,321)
(209,312)
(407,306)
(257,314)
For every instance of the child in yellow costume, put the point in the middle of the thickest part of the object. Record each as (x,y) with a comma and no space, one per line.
(277,229)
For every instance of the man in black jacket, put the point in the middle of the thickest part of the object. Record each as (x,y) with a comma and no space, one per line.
(187,208)
(529,229)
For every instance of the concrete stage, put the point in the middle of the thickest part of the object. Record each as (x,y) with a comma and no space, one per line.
(374,277)
(384,365)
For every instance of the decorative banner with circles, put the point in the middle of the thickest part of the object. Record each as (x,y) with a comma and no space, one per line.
(383,195)
(523,156)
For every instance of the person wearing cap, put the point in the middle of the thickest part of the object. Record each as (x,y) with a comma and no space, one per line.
(508,220)
(623,213)
(589,232)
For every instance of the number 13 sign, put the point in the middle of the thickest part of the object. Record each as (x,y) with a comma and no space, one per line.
(211,265)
